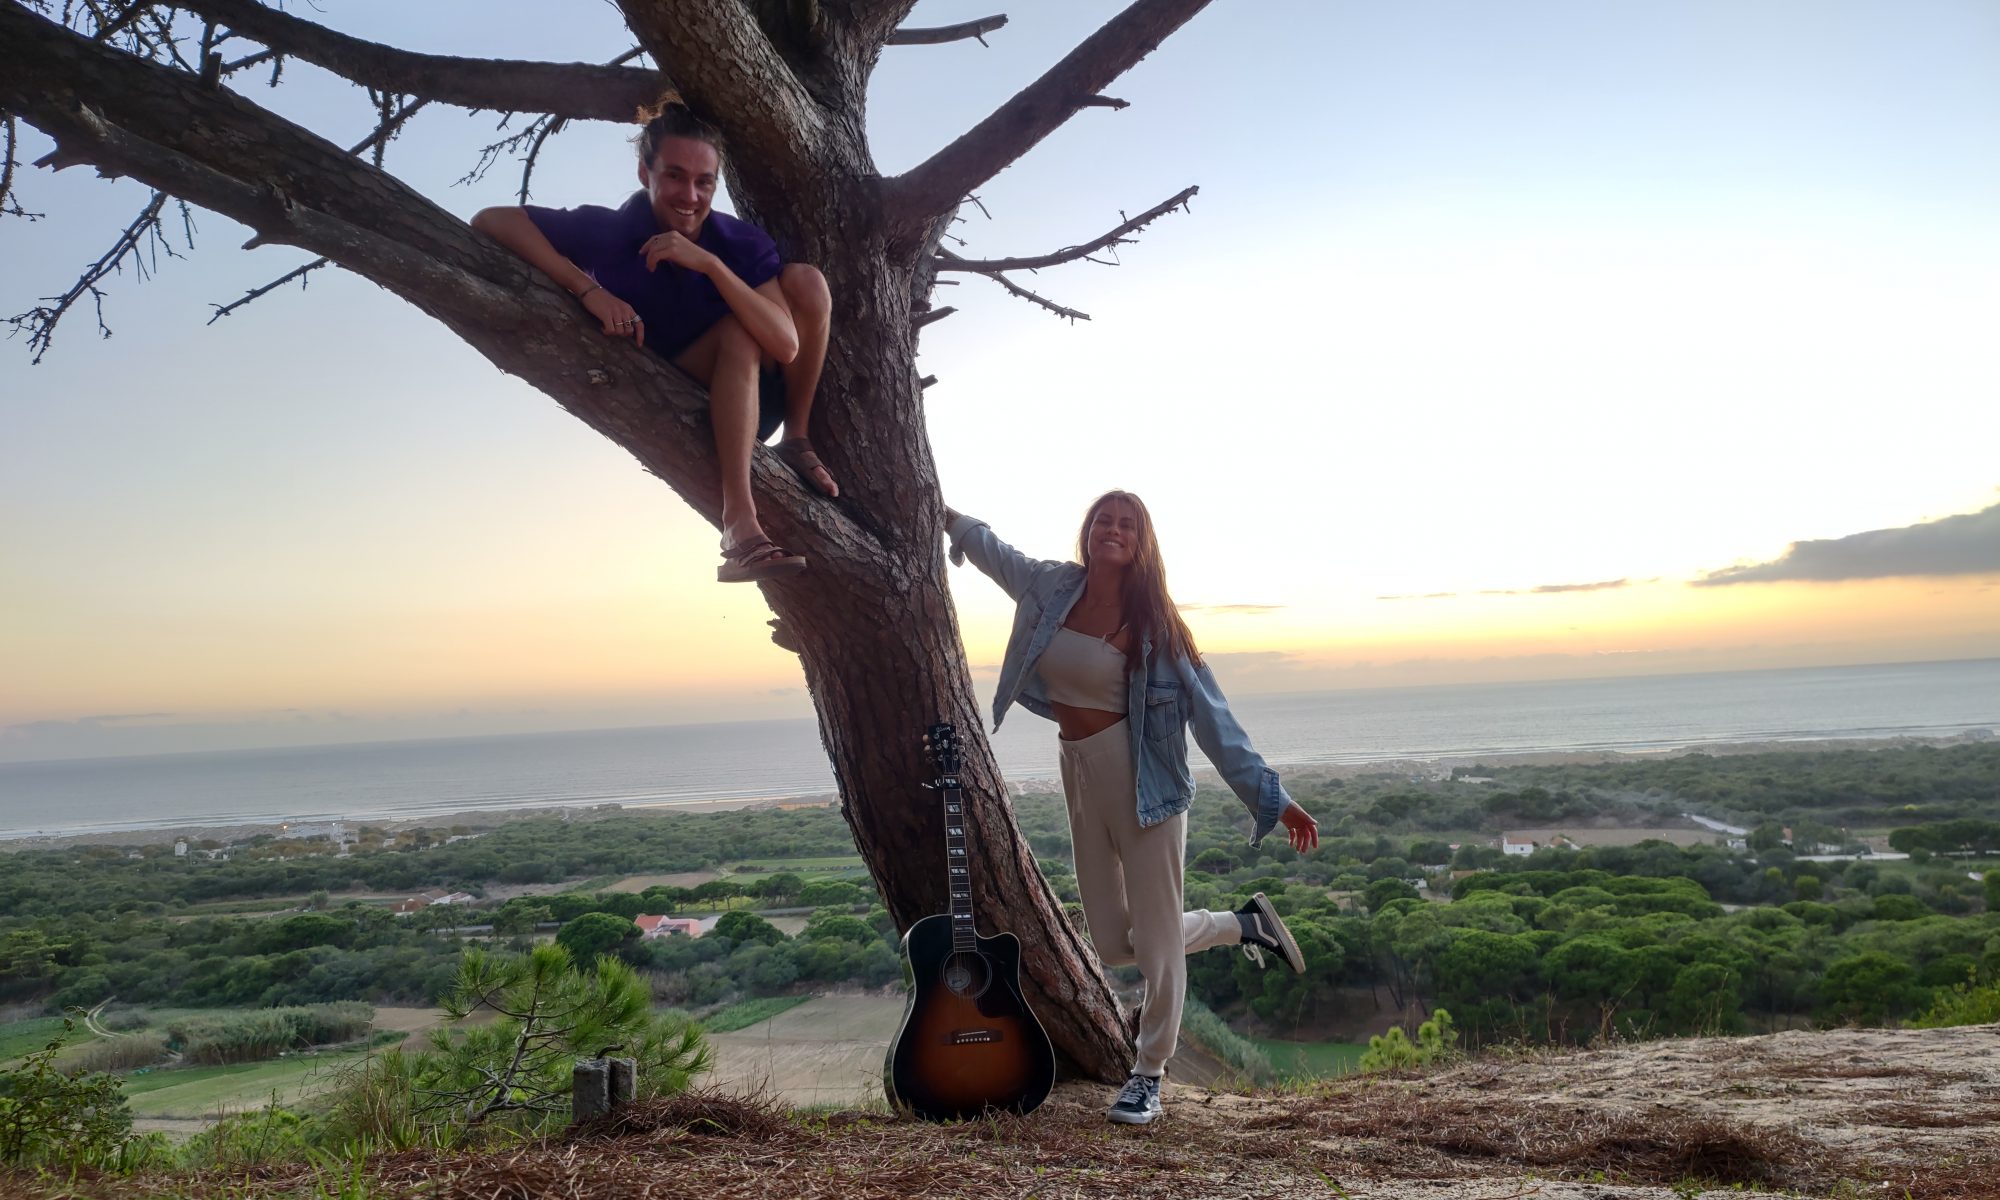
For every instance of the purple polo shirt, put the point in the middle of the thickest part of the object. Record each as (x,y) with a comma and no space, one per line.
(677,305)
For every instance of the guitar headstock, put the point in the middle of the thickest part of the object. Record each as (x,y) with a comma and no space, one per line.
(942,741)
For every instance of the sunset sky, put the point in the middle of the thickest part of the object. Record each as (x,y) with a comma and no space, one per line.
(1535,340)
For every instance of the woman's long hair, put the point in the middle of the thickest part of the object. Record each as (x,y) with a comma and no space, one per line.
(1149,612)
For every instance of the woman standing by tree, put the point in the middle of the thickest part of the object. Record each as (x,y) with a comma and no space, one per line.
(1099,648)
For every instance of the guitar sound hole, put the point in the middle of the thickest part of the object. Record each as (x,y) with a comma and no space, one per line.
(967,975)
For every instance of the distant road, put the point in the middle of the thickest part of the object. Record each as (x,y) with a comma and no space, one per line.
(1717,826)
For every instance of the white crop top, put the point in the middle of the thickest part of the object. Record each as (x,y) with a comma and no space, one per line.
(1083,672)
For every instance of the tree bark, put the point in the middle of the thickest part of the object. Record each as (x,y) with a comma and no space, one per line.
(873,617)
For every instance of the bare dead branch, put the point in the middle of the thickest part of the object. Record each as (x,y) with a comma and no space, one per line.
(953,262)
(1106,102)
(938,34)
(298,273)
(1120,236)
(925,383)
(936,314)
(10,202)
(580,91)
(387,128)
(141,244)
(939,182)
(550,129)
(248,61)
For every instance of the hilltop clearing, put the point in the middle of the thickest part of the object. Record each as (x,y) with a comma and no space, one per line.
(1850,1114)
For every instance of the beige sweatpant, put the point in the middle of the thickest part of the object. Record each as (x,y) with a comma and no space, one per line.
(1130,880)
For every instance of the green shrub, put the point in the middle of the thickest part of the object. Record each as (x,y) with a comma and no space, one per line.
(49,1119)
(249,1139)
(515,1071)
(1436,1042)
(1968,1003)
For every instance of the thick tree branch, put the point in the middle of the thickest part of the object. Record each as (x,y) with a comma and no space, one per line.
(127,116)
(579,91)
(873,21)
(942,181)
(938,34)
(727,70)
(1117,237)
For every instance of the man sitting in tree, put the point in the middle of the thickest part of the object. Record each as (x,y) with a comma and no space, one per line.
(707,292)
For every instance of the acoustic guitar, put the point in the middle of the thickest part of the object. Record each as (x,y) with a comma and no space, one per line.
(968,1042)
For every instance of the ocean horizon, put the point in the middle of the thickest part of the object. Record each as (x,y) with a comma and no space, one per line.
(668,765)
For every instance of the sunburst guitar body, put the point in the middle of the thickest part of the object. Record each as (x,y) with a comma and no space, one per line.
(969,1042)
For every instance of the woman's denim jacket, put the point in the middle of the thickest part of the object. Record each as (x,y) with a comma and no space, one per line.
(1171,693)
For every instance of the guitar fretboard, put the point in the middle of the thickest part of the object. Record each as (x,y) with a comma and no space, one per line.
(959,864)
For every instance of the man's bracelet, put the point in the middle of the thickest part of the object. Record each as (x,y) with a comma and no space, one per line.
(592,288)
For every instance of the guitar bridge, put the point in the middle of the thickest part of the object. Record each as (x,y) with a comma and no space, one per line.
(973,1037)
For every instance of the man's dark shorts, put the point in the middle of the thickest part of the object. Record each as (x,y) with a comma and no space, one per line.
(770,402)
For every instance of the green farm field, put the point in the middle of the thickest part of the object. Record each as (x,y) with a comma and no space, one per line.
(200,1092)
(18,1038)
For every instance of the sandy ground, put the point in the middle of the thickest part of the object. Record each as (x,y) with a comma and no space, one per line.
(1848,1115)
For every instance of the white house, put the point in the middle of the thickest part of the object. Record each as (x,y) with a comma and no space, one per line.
(651,926)
(1509,844)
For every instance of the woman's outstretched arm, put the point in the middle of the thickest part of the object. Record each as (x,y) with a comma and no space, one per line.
(972,538)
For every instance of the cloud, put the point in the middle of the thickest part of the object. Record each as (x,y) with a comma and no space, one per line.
(99,721)
(1250,610)
(1264,659)
(1546,589)
(1966,544)
(1549,589)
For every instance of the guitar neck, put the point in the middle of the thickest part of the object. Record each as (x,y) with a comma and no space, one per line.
(958,860)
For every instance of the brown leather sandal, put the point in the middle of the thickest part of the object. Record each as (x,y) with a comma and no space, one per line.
(756,560)
(797,453)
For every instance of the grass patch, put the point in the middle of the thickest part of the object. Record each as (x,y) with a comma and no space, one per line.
(196,1092)
(1201,1025)
(745,1013)
(25,1037)
(1311,1060)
